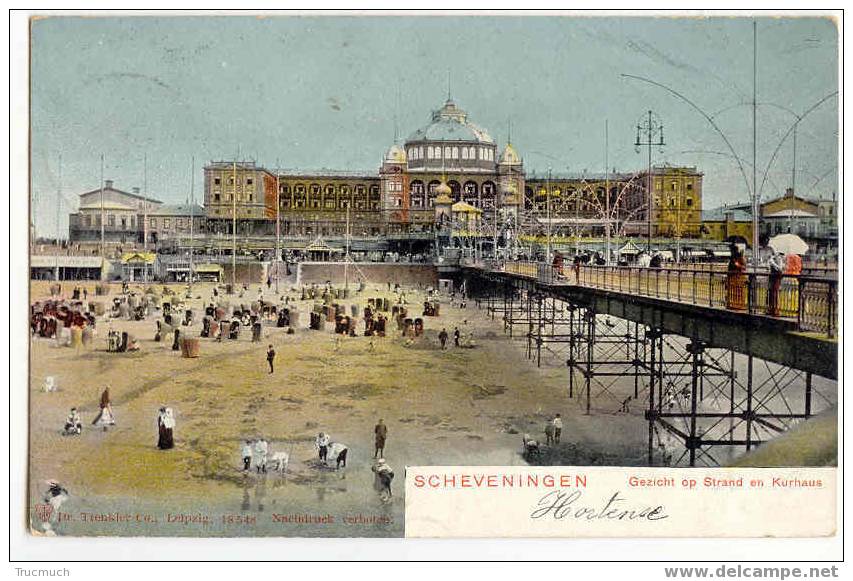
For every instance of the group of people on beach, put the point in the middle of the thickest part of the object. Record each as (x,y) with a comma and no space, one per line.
(255,452)
(165,421)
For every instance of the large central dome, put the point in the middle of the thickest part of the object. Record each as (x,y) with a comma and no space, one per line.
(450,123)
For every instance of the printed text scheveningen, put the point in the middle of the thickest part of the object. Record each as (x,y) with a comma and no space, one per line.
(498,480)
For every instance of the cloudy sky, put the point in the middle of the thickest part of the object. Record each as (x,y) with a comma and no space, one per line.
(324,92)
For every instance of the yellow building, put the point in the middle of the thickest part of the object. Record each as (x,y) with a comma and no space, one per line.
(677,207)
(726,223)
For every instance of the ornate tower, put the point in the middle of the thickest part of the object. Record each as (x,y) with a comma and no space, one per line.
(443,204)
(510,172)
(394,186)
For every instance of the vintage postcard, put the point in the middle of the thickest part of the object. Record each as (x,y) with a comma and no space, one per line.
(433,275)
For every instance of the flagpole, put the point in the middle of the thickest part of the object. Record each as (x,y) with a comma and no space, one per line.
(234,229)
(58,198)
(103,249)
(346,256)
(145,212)
(192,222)
(607,191)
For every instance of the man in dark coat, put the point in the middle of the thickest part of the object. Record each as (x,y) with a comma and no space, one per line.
(442,337)
(271,357)
(380,431)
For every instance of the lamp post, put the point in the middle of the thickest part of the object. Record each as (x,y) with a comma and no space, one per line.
(606,192)
(649,134)
(276,262)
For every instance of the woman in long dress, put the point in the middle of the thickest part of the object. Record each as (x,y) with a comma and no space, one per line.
(166,427)
(105,417)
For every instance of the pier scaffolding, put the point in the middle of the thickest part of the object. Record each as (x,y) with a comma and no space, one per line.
(549,328)
(604,353)
(703,403)
(705,400)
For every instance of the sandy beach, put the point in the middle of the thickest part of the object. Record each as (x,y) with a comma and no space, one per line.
(452,407)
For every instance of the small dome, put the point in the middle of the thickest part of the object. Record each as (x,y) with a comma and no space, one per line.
(510,156)
(395,155)
(443,188)
(443,192)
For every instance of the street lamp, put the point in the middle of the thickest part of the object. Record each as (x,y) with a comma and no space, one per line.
(649,134)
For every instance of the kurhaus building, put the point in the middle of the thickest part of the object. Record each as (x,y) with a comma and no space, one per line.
(451,159)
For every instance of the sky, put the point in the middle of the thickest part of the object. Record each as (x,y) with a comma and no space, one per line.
(317,92)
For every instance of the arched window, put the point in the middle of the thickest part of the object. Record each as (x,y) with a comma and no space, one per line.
(455,190)
(447,152)
(416,194)
(488,193)
(470,193)
(455,153)
(299,196)
(420,152)
(429,152)
(431,193)
(314,199)
(464,153)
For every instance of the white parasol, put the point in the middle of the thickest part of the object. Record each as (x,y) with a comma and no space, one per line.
(788,244)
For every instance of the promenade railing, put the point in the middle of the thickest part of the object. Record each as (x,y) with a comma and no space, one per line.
(811,300)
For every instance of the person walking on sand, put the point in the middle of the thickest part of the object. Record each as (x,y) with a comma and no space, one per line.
(271,358)
(380,431)
(383,475)
(456,335)
(549,432)
(105,416)
(558,428)
(246,454)
(442,337)
(322,443)
(260,454)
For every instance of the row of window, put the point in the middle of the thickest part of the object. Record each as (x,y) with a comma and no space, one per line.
(470,188)
(673,185)
(452,152)
(217,197)
(329,189)
(328,204)
(248,181)
(673,202)
(129,222)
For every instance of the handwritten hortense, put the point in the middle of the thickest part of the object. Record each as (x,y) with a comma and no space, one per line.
(561,505)
(571,501)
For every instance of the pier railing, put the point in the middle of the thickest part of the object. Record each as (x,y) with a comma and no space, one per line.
(812,301)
